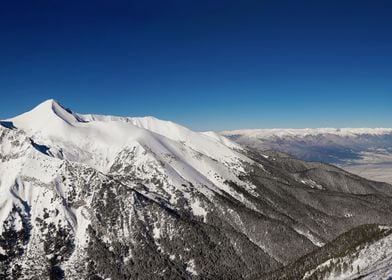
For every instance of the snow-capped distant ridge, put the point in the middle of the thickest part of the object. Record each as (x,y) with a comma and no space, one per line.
(364,151)
(303,132)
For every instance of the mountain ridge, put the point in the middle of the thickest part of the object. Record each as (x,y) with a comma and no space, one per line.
(364,151)
(280,132)
(97,197)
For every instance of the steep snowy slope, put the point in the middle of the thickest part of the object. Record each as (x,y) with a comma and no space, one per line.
(101,138)
(97,197)
(370,260)
(363,151)
(364,252)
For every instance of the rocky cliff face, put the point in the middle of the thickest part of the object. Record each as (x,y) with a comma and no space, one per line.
(98,197)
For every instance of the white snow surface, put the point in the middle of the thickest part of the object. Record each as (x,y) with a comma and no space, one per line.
(191,268)
(52,138)
(374,261)
(151,148)
(96,140)
(305,232)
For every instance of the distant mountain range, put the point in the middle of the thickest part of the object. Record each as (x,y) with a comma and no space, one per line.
(363,151)
(104,197)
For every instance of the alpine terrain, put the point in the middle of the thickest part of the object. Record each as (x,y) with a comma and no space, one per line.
(103,197)
(364,151)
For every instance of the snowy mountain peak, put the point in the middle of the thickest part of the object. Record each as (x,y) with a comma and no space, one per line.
(97,140)
(104,197)
(47,115)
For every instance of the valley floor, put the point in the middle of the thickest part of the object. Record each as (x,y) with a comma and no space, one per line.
(381,172)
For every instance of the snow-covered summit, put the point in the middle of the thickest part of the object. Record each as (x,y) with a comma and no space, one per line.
(49,115)
(88,196)
(51,136)
(96,140)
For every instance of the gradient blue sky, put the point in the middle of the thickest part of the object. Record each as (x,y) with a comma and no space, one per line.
(205,64)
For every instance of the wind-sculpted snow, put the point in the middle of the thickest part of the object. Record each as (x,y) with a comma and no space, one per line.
(98,197)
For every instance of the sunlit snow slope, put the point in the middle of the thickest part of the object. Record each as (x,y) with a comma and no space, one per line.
(98,197)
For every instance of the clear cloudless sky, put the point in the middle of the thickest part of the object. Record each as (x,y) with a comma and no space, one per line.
(206,64)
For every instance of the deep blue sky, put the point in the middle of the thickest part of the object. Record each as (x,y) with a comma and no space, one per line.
(205,64)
